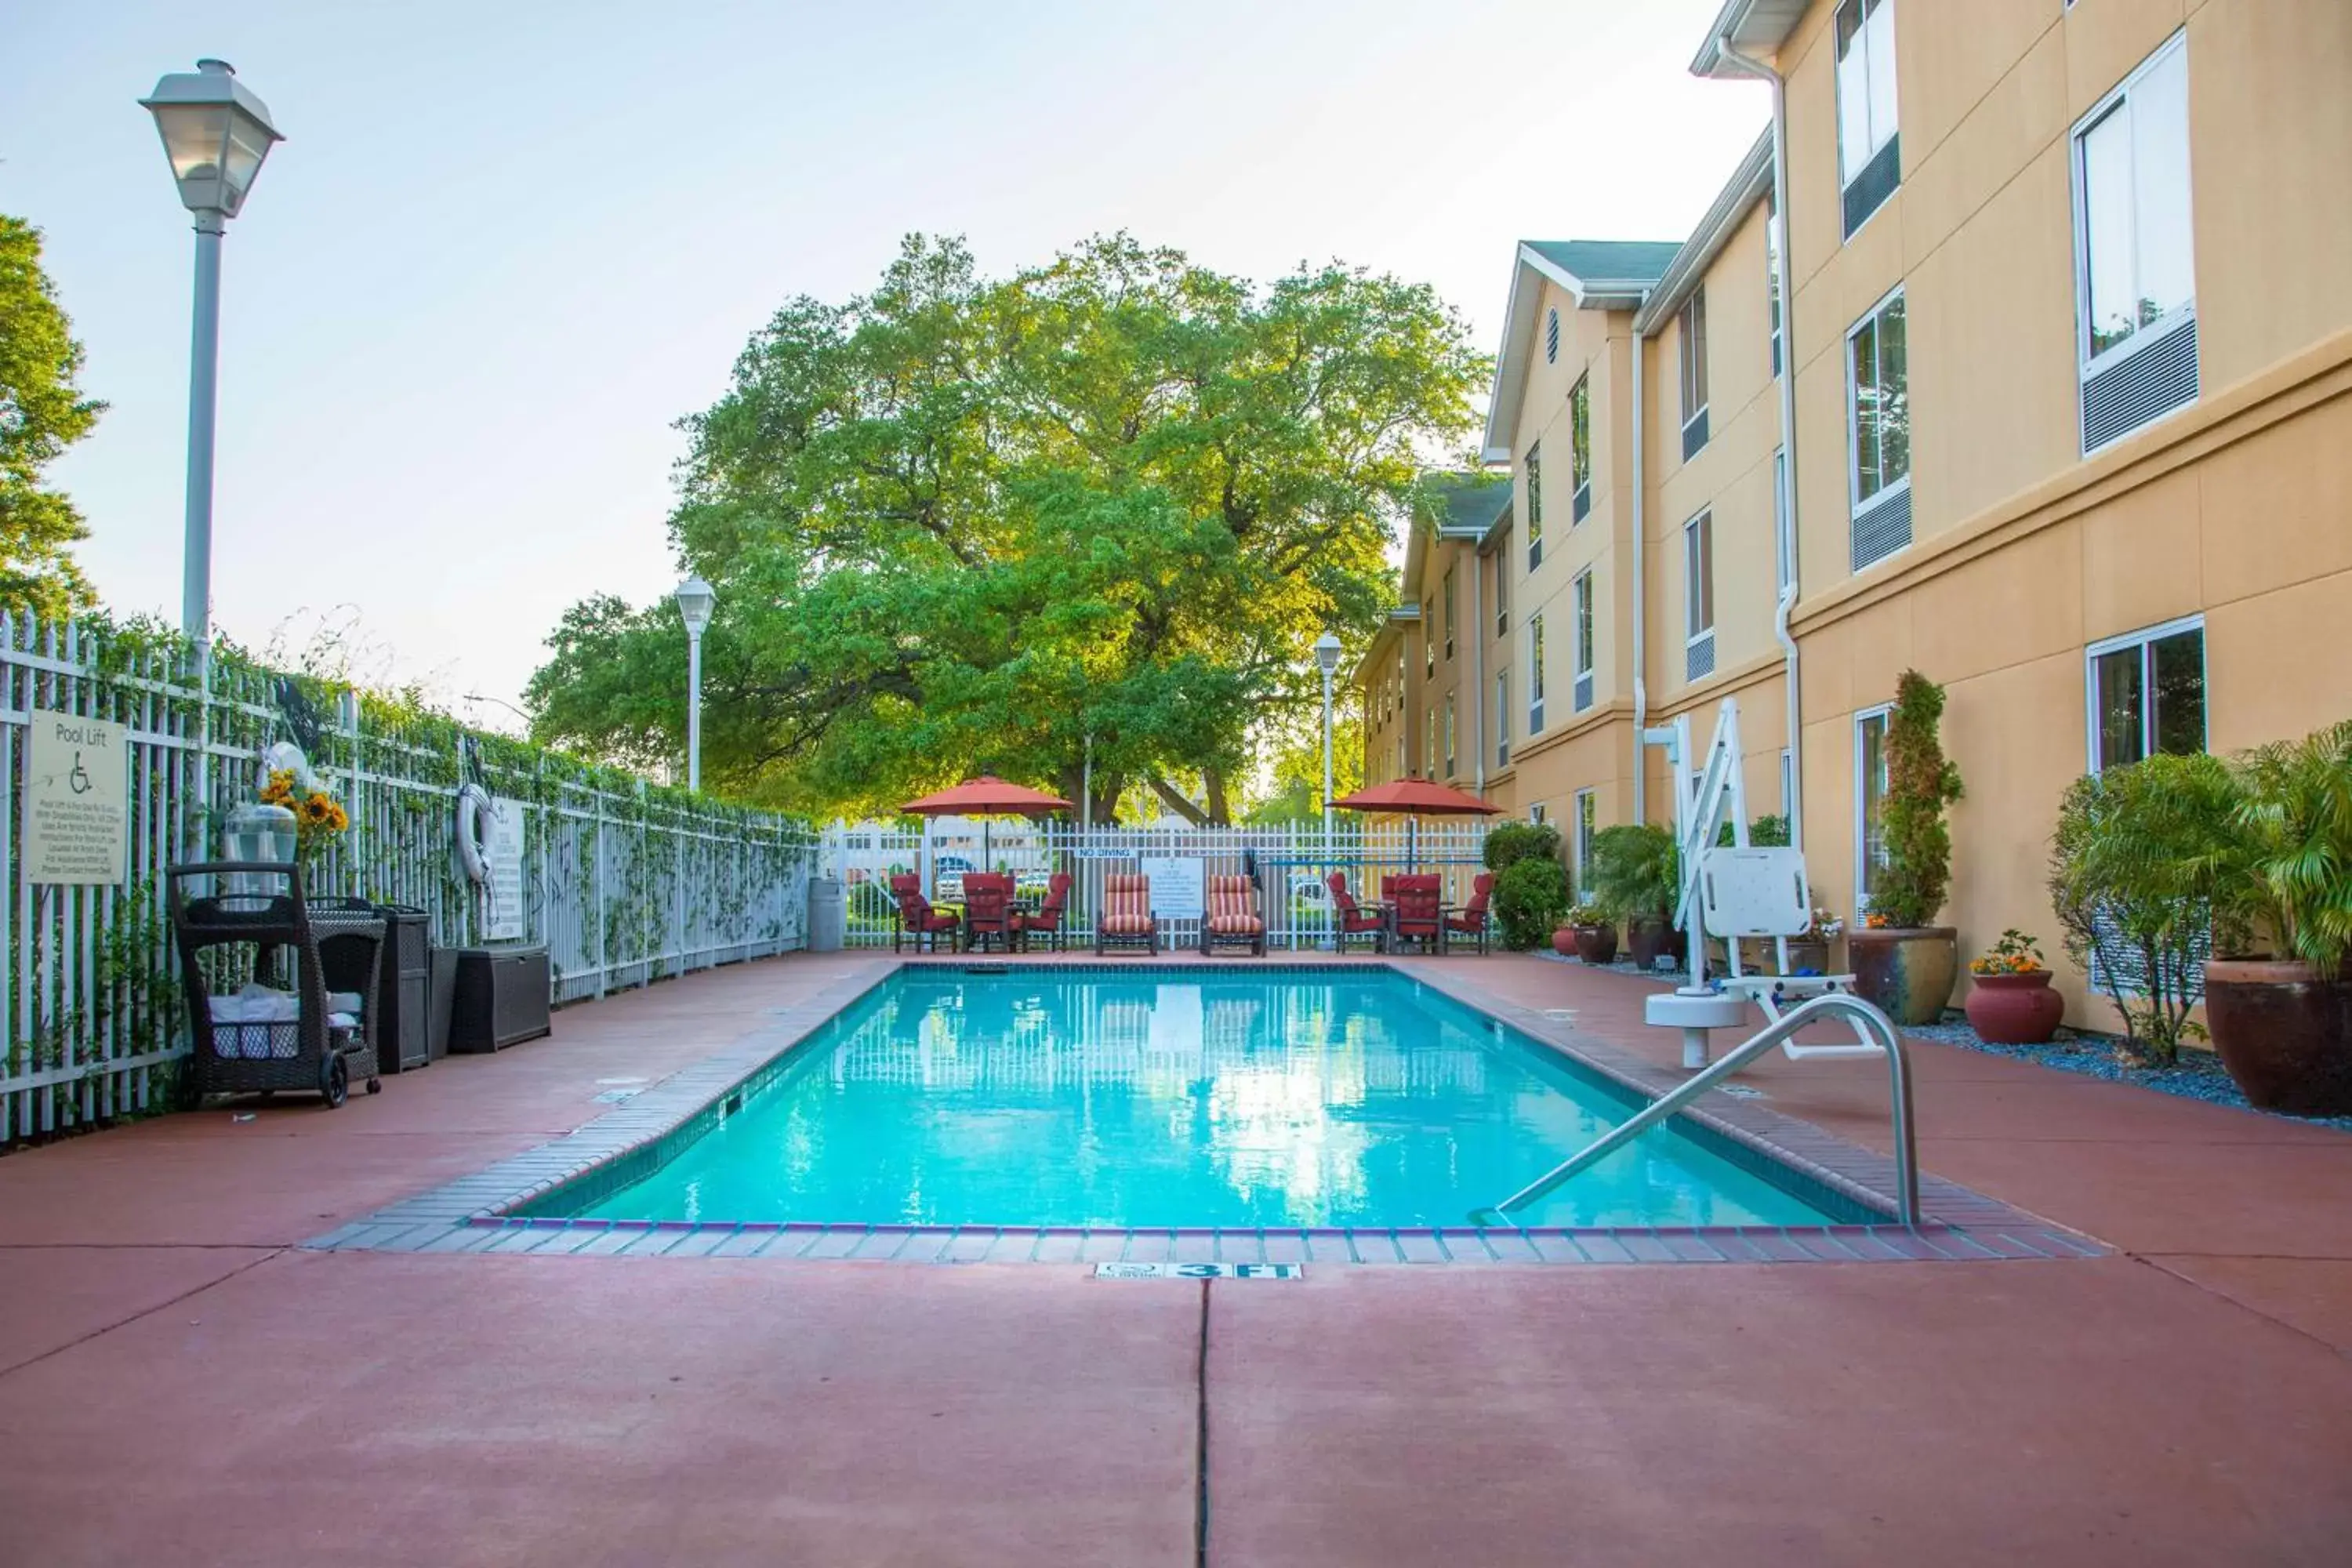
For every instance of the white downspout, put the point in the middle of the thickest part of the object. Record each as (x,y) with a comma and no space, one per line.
(1640,589)
(1787,480)
(1477,692)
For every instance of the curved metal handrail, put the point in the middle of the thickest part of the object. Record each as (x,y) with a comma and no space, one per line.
(1868,1019)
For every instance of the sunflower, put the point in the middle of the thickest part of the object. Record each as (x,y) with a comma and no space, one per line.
(318,811)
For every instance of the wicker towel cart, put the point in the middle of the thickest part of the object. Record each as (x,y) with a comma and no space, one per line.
(302,1053)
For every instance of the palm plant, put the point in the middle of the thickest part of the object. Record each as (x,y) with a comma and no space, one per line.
(2291,858)
(1634,870)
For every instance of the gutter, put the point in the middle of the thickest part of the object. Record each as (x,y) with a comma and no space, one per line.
(1787,603)
(1641,588)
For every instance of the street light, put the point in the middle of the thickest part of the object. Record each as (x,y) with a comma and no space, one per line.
(1327,655)
(216,132)
(695,597)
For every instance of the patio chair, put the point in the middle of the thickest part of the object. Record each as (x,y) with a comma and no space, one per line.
(988,914)
(1233,918)
(1470,920)
(1417,912)
(1045,920)
(1352,919)
(1126,919)
(912,915)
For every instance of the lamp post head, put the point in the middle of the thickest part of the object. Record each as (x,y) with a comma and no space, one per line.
(216,132)
(1327,652)
(694,599)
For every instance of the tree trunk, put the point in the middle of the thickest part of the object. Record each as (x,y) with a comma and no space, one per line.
(1177,801)
(1220,811)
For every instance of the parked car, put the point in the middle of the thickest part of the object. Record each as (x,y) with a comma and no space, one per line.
(947,878)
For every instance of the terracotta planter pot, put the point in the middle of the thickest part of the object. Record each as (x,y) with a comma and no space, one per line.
(1563,940)
(2014,1009)
(1596,944)
(1908,973)
(1645,939)
(2284,1035)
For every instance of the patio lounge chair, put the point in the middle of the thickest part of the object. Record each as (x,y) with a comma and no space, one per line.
(1045,920)
(1470,920)
(914,917)
(1232,919)
(1417,913)
(988,910)
(1126,919)
(1352,918)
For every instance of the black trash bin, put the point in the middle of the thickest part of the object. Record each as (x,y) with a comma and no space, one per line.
(402,981)
(500,998)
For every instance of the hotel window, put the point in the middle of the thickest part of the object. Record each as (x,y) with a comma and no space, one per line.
(1449,752)
(1691,345)
(1878,420)
(1784,538)
(1869,804)
(1580,448)
(1698,597)
(1401,756)
(1502,718)
(1580,597)
(2135,295)
(1429,637)
(1429,744)
(1587,815)
(1535,674)
(1503,586)
(2147,694)
(1869,153)
(1772,278)
(1536,814)
(1534,506)
(1788,787)
(1449,612)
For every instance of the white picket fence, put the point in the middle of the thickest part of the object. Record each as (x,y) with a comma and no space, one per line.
(1290,863)
(624,884)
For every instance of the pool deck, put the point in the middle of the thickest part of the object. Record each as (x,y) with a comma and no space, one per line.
(182,1381)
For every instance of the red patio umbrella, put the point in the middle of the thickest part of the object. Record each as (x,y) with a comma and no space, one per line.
(984,796)
(1416,798)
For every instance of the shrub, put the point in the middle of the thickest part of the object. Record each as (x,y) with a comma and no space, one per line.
(1515,841)
(1530,896)
(1634,871)
(1765,833)
(2143,859)
(1920,782)
(2291,860)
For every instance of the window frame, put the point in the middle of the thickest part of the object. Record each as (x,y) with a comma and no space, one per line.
(1428,637)
(1698,541)
(1690,355)
(1584,820)
(1535,674)
(1772,279)
(1447,596)
(1856,506)
(1503,586)
(2090,363)
(1531,468)
(1503,717)
(1580,448)
(2144,640)
(1450,751)
(1866,9)
(1862,859)
(1784,538)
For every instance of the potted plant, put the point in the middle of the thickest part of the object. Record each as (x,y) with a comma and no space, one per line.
(2283,1021)
(1632,870)
(1592,933)
(1901,963)
(2010,1000)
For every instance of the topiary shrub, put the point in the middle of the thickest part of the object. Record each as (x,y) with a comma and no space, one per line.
(1515,841)
(1920,782)
(1530,899)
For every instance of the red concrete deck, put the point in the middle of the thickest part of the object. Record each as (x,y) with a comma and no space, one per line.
(177,1384)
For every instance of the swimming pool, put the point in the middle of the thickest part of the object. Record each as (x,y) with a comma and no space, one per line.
(1174,1097)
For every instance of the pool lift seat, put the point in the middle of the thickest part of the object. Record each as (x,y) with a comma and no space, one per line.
(1741,891)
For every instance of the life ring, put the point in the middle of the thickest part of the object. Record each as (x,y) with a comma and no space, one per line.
(474,813)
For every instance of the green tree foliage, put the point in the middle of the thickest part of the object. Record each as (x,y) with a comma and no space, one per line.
(42,412)
(1530,900)
(1920,782)
(1509,842)
(1634,871)
(962,523)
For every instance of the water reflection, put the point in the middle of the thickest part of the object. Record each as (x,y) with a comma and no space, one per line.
(1131,1101)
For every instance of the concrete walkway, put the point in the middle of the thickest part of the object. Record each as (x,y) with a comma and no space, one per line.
(179,1383)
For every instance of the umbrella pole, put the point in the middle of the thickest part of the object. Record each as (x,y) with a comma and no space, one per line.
(1412,844)
(986,863)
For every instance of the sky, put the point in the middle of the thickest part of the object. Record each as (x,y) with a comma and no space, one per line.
(506,248)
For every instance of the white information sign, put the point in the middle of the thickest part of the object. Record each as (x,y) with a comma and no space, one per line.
(1200,1271)
(1179,888)
(77,800)
(506,920)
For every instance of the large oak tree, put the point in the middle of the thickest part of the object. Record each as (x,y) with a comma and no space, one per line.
(963,524)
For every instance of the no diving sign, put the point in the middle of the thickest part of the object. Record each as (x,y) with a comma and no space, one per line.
(1200,1270)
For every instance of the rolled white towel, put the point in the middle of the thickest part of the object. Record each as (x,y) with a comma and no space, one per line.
(343,1002)
(341,1021)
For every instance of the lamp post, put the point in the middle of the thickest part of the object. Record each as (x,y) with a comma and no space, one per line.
(1327,655)
(695,598)
(216,132)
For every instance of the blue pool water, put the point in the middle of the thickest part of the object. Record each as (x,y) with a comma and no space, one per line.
(1179,1098)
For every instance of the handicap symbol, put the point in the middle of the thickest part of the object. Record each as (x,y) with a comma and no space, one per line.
(78,780)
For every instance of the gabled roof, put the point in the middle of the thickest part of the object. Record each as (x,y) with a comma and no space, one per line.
(1753,28)
(1452,505)
(1598,274)
(1749,183)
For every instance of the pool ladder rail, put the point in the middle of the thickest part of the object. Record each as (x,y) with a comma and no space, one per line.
(1871,1025)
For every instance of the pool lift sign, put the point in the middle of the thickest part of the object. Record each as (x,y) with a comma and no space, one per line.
(77,801)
